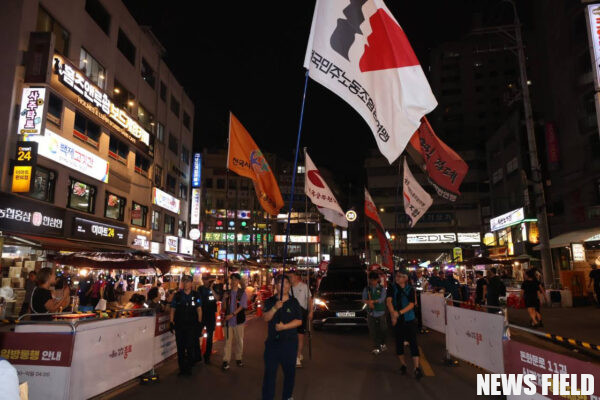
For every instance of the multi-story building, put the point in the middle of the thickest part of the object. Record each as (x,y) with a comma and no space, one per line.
(113,129)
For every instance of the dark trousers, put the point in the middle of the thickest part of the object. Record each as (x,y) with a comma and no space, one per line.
(24,309)
(597,290)
(279,353)
(406,331)
(418,312)
(184,338)
(197,356)
(210,330)
(377,329)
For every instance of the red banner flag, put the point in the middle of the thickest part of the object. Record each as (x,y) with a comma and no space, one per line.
(445,168)
(387,258)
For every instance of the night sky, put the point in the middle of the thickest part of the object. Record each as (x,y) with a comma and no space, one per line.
(247,57)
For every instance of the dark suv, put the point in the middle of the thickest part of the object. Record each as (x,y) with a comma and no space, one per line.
(338,301)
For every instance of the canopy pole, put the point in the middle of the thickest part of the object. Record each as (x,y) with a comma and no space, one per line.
(287,231)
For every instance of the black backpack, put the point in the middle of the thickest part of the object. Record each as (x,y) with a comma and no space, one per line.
(241,316)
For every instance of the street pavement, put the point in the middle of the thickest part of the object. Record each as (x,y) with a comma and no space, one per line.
(342,367)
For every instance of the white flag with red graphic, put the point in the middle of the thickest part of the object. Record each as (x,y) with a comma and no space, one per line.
(359,51)
(319,193)
(416,200)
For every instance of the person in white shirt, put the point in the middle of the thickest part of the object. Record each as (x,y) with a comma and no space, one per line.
(301,292)
(161,291)
(9,381)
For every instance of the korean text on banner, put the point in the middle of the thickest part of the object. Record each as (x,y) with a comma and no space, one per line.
(319,193)
(245,159)
(433,311)
(445,168)
(164,339)
(476,337)
(358,50)
(520,358)
(416,200)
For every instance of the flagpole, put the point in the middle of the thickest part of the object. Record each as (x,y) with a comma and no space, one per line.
(305,211)
(287,233)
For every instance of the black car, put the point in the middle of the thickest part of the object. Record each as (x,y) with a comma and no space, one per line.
(338,301)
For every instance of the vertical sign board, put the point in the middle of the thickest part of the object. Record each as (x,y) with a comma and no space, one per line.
(197,170)
(25,160)
(195,214)
(593,11)
(32,112)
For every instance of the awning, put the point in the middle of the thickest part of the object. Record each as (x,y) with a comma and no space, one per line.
(131,259)
(60,244)
(571,237)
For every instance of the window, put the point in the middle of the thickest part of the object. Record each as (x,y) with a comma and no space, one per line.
(147,73)
(118,150)
(55,107)
(126,47)
(122,97)
(99,14)
(169,224)
(301,169)
(155,220)
(114,207)
(160,132)
(171,183)
(173,143)
(92,68)
(142,164)
(185,155)
(181,232)
(45,23)
(183,190)
(82,196)
(174,106)
(208,183)
(145,118)
(163,91)
(186,120)
(86,130)
(139,214)
(157,176)
(220,184)
(497,176)
(44,181)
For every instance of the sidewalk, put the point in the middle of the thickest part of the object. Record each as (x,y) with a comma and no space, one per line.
(580,323)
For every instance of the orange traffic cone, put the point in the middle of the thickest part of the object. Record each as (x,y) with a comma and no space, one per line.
(259,312)
(219,328)
(203,341)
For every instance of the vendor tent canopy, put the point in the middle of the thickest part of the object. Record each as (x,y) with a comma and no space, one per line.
(566,239)
(113,260)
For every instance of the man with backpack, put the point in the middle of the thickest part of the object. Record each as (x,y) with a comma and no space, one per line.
(495,289)
(235,315)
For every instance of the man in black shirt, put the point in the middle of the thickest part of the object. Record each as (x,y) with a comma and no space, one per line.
(209,310)
(480,286)
(595,281)
(495,289)
(186,314)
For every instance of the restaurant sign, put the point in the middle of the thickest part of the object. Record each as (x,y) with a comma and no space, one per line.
(98,101)
(469,237)
(96,231)
(58,149)
(165,200)
(186,246)
(508,219)
(171,243)
(22,215)
(31,114)
(195,210)
(430,238)
(196,170)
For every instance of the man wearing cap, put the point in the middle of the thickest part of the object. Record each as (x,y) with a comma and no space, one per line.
(209,309)
(186,314)
(235,303)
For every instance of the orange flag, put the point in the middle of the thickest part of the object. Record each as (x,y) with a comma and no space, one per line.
(245,159)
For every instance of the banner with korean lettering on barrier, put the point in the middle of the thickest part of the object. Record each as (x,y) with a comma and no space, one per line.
(319,193)
(416,200)
(387,258)
(164,339)
(358,50)
(520,358)
(476,337)
(445,168)
(245,159)
(433,311)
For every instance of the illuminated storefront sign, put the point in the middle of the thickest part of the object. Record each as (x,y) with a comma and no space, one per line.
(220,237)
(21,182)
(186,246)
(141,241)
(171,243)
(593,11)
(195,211)
(194,234)
(578,252)
(25,161)
(297,239)
(430,238)
(469,237)
(155,247)
(165,200)
(21,215)
(508,219)
(31,113)
(196,170)
(62,151)
(92,230)
(97,99)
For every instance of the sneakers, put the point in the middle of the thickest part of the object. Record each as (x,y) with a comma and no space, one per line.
(239,363)
(418,373)
(298,362)
(225,366)
(403,370)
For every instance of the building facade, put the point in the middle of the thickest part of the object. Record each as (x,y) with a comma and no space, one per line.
(115,135)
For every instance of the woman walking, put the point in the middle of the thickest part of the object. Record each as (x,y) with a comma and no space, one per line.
(530,290)
(284,316)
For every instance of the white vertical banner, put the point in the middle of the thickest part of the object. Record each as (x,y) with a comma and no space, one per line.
(433,311)
(593,22)
(195,212)
(416,200)
(476,337)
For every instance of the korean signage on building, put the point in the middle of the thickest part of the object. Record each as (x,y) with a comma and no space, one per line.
(141,241)
(67,153)
(297,239)
(593,11)
(469,237)
(25,160)
(430,238)
(98,101)
(171,243)
(220,237)
(195,212)
(578,252)
(197,170)
(32,111)
(22,215)
(186,246)
(165,200)
(97,231)
(508,219)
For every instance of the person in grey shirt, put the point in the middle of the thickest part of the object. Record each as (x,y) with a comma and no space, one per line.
(29,286)
(374,297)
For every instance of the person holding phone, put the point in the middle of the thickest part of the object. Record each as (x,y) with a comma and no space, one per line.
(42,301)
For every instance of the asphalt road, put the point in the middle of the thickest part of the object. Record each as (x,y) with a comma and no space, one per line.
(342,367)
